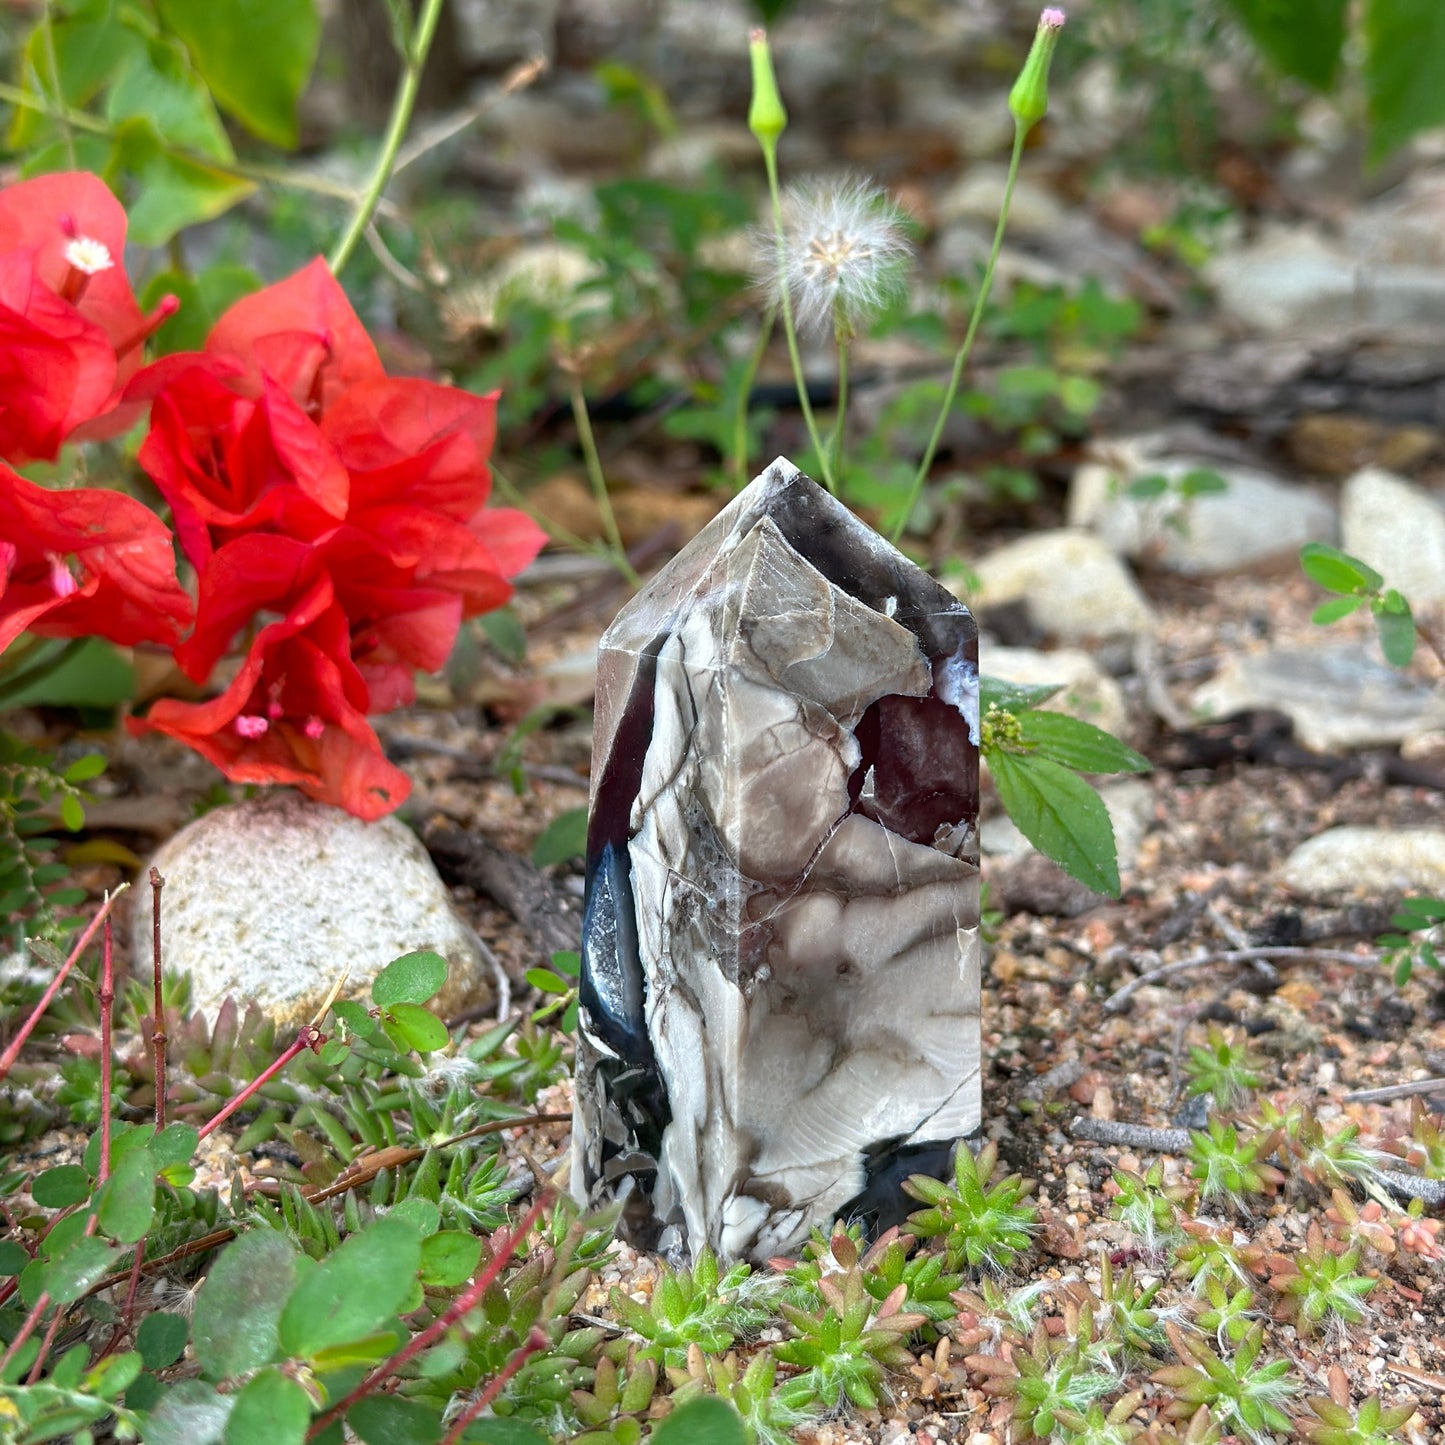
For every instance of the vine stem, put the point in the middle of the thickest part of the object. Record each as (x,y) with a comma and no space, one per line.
(536,1340)
(790,329)
(7,1060)
(413,62)
(158,1021)
(310,1037)
(961,359)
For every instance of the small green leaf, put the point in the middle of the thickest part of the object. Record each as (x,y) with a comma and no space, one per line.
(82,770)
(192,1413)
(563,839)
(272,1409)
(61,1187)
(1202,482)
(1396,628)
(1337,571)
(504,1432)
(127,1200)
(1015,697)
(706,1420)
(1303,42)
(416,1028)
(1334,609)
(83,1262)
(161,1339)
(547,981)
(448,1258)
(1061,815)
(354,1291)
(239,1307)
(1144,489)
(357,1017)
(388,1420)
(1078,745)
(13,1258)
(568,963)
(412,978)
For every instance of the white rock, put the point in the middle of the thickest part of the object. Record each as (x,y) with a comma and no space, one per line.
(1089,693)
(1378,861)
(1257,519)
(1073,586)
(273,899)
(1336,695)
(1398,529)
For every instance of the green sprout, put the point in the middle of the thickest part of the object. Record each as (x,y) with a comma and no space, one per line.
(980,1224)
(1225,1069)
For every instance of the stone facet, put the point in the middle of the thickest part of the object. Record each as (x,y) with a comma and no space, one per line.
(780,968)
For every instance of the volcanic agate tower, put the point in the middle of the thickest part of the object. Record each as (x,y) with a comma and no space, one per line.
(780,965)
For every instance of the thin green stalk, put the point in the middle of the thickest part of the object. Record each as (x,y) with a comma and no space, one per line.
(835,442)
(745,394)
(48,27)
(790,330)
(597,477)
(413,61)
(961,360)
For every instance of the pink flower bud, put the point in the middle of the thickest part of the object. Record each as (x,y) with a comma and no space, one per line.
(250,725)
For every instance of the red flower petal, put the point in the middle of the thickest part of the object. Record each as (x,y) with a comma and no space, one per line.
(86,563)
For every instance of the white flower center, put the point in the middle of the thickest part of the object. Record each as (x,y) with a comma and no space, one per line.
(88,255)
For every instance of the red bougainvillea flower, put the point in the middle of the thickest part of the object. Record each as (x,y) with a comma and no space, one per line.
(294,713)
(85,563)
(71,333)
(287,427)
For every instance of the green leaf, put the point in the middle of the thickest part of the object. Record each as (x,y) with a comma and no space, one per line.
(1337,571)
(1078,745)
(354,1291)
(704,1421)
(13,1258)
(412,978)
(547,981)
(421,1212)
(564,838)
(1061,815)
(1336,608)
(1144,489)
(161,1339)
(82,770)
(127,1200)
(1015,697)
(192,1413)
(357,1018)
(448,1258)
(365,1351)
(83,1262)
(256,56)
(61,1187)
(159,86)
(1396,627)
(203,299)
(411,1026)
(387,1420)
(504,1432)
(94,675)
(567,962)
(1404,70)
(175,1144)
(505,634)
(1300,40)
(72,812)
(175,192)
(1202,482)
(272,1410)
(238,1309)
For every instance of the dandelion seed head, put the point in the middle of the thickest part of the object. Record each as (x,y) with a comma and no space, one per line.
(843,255)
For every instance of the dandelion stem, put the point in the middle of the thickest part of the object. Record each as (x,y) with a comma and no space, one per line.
(961,360)
(745,395)
(790,330)
(593,461)
(835,442)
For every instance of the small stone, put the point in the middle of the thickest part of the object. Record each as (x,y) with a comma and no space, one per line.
(1334,444)
(1399,529)
(780,963)
(1256,519)
(1337,696)
(1071,584)
(1375,861)
(273,899)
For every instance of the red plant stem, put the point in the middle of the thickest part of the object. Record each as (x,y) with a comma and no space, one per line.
(7,1059)
(107,1022)
(44,1349)
(25,1330)
(535,1341)
(158,1016)
(424,1339)
(309,1038)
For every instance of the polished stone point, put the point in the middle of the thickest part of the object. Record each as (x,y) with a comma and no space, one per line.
(780,962)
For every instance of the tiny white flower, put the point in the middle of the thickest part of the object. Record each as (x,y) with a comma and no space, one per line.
(88,255)
(844,253)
